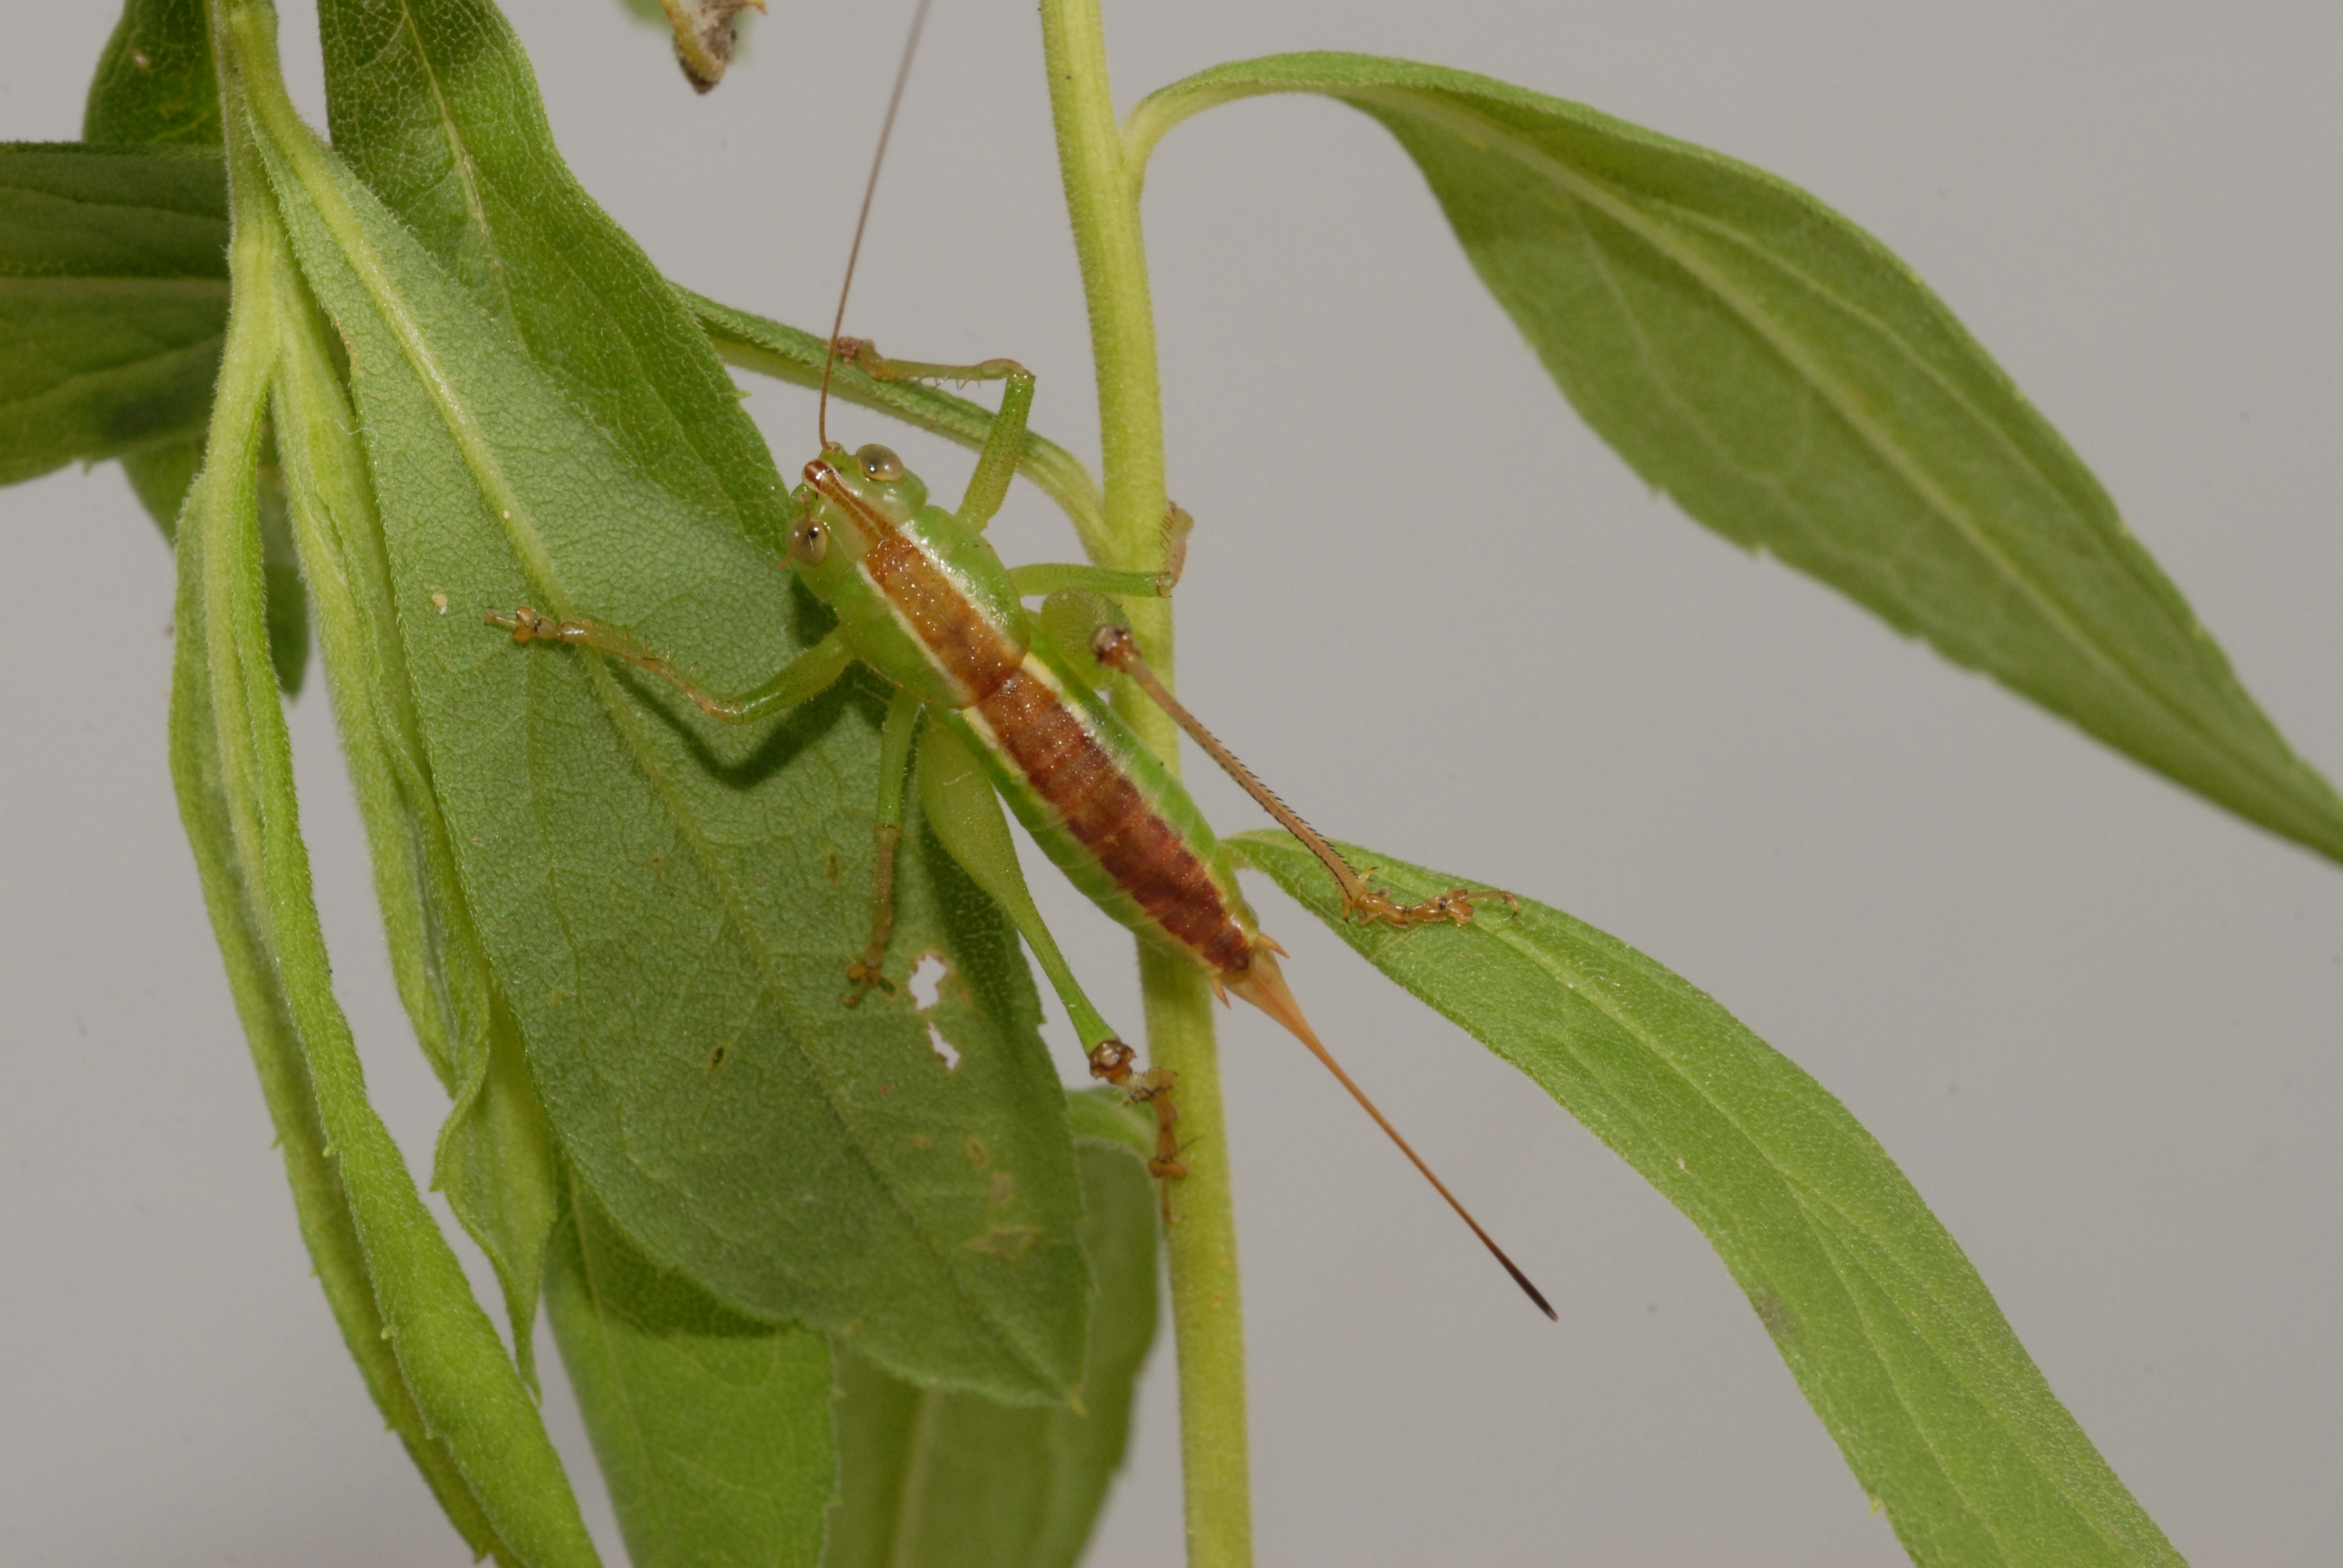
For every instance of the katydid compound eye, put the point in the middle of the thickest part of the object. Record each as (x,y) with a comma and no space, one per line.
(808,542)
(879,463)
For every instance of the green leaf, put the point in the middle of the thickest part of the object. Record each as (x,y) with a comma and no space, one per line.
(1893,1338)
(154,82)
(669,904)
(1792,385)
(434,106)
(713,1430)
(199,769)
(430,1355)
(937,1479)
(495,1159)
(113,295)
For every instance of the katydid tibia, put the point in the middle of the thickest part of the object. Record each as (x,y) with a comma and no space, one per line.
(1011,714)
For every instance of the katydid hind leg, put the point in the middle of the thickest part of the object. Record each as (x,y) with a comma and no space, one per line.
(966,817)
(1112,645)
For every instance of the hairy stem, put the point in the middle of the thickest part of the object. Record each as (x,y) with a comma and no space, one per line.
(1207,1318)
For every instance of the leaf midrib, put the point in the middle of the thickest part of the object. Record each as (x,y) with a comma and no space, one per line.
(459,156)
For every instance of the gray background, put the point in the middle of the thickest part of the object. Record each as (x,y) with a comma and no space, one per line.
(2095,1021)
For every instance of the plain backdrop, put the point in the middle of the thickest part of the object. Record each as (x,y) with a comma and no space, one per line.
(2095,1020)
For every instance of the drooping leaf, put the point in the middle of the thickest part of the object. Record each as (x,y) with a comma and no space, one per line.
(669,904)
(1792,385)
(712,1428)
(750,341)
(1895,1341)
(113,296)
(155,82)
(430,1354)
(495,1159)
(322,1205)
(937,1479)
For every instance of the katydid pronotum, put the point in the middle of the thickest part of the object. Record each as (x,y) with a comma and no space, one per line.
(997,703)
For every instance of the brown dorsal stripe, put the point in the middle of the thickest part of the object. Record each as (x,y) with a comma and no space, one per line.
(956,634)
(1107,815)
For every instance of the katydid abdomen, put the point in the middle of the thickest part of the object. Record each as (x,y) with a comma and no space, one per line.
(923,599)
(1110,817)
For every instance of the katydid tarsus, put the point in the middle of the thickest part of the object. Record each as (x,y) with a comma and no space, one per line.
(997,703)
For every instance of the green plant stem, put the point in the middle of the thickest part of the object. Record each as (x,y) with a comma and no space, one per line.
(1207,1314)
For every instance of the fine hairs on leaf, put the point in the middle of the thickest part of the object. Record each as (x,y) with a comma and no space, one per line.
(843,1275)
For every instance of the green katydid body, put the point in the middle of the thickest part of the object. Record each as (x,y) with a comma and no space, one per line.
(921,599)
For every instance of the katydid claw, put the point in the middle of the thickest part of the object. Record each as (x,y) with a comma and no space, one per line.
(865,975)
(1111,1060)
(1454,906)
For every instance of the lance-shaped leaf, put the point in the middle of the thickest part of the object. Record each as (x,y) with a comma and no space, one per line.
(495,1157)
(935,1480)
(1792,385)
(1895,1341)
(113,298)
(668,903)
(430,1354)
(713,1430)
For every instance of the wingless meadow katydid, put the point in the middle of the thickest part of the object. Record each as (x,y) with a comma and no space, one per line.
(998,703)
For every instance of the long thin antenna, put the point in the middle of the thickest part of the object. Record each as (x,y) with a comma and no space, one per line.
(838,322)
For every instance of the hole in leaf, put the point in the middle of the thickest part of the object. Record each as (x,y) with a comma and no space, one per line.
(926,981)
(946,1051)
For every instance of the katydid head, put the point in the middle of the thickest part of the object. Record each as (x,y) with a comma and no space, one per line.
(849,502)
(868,490)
